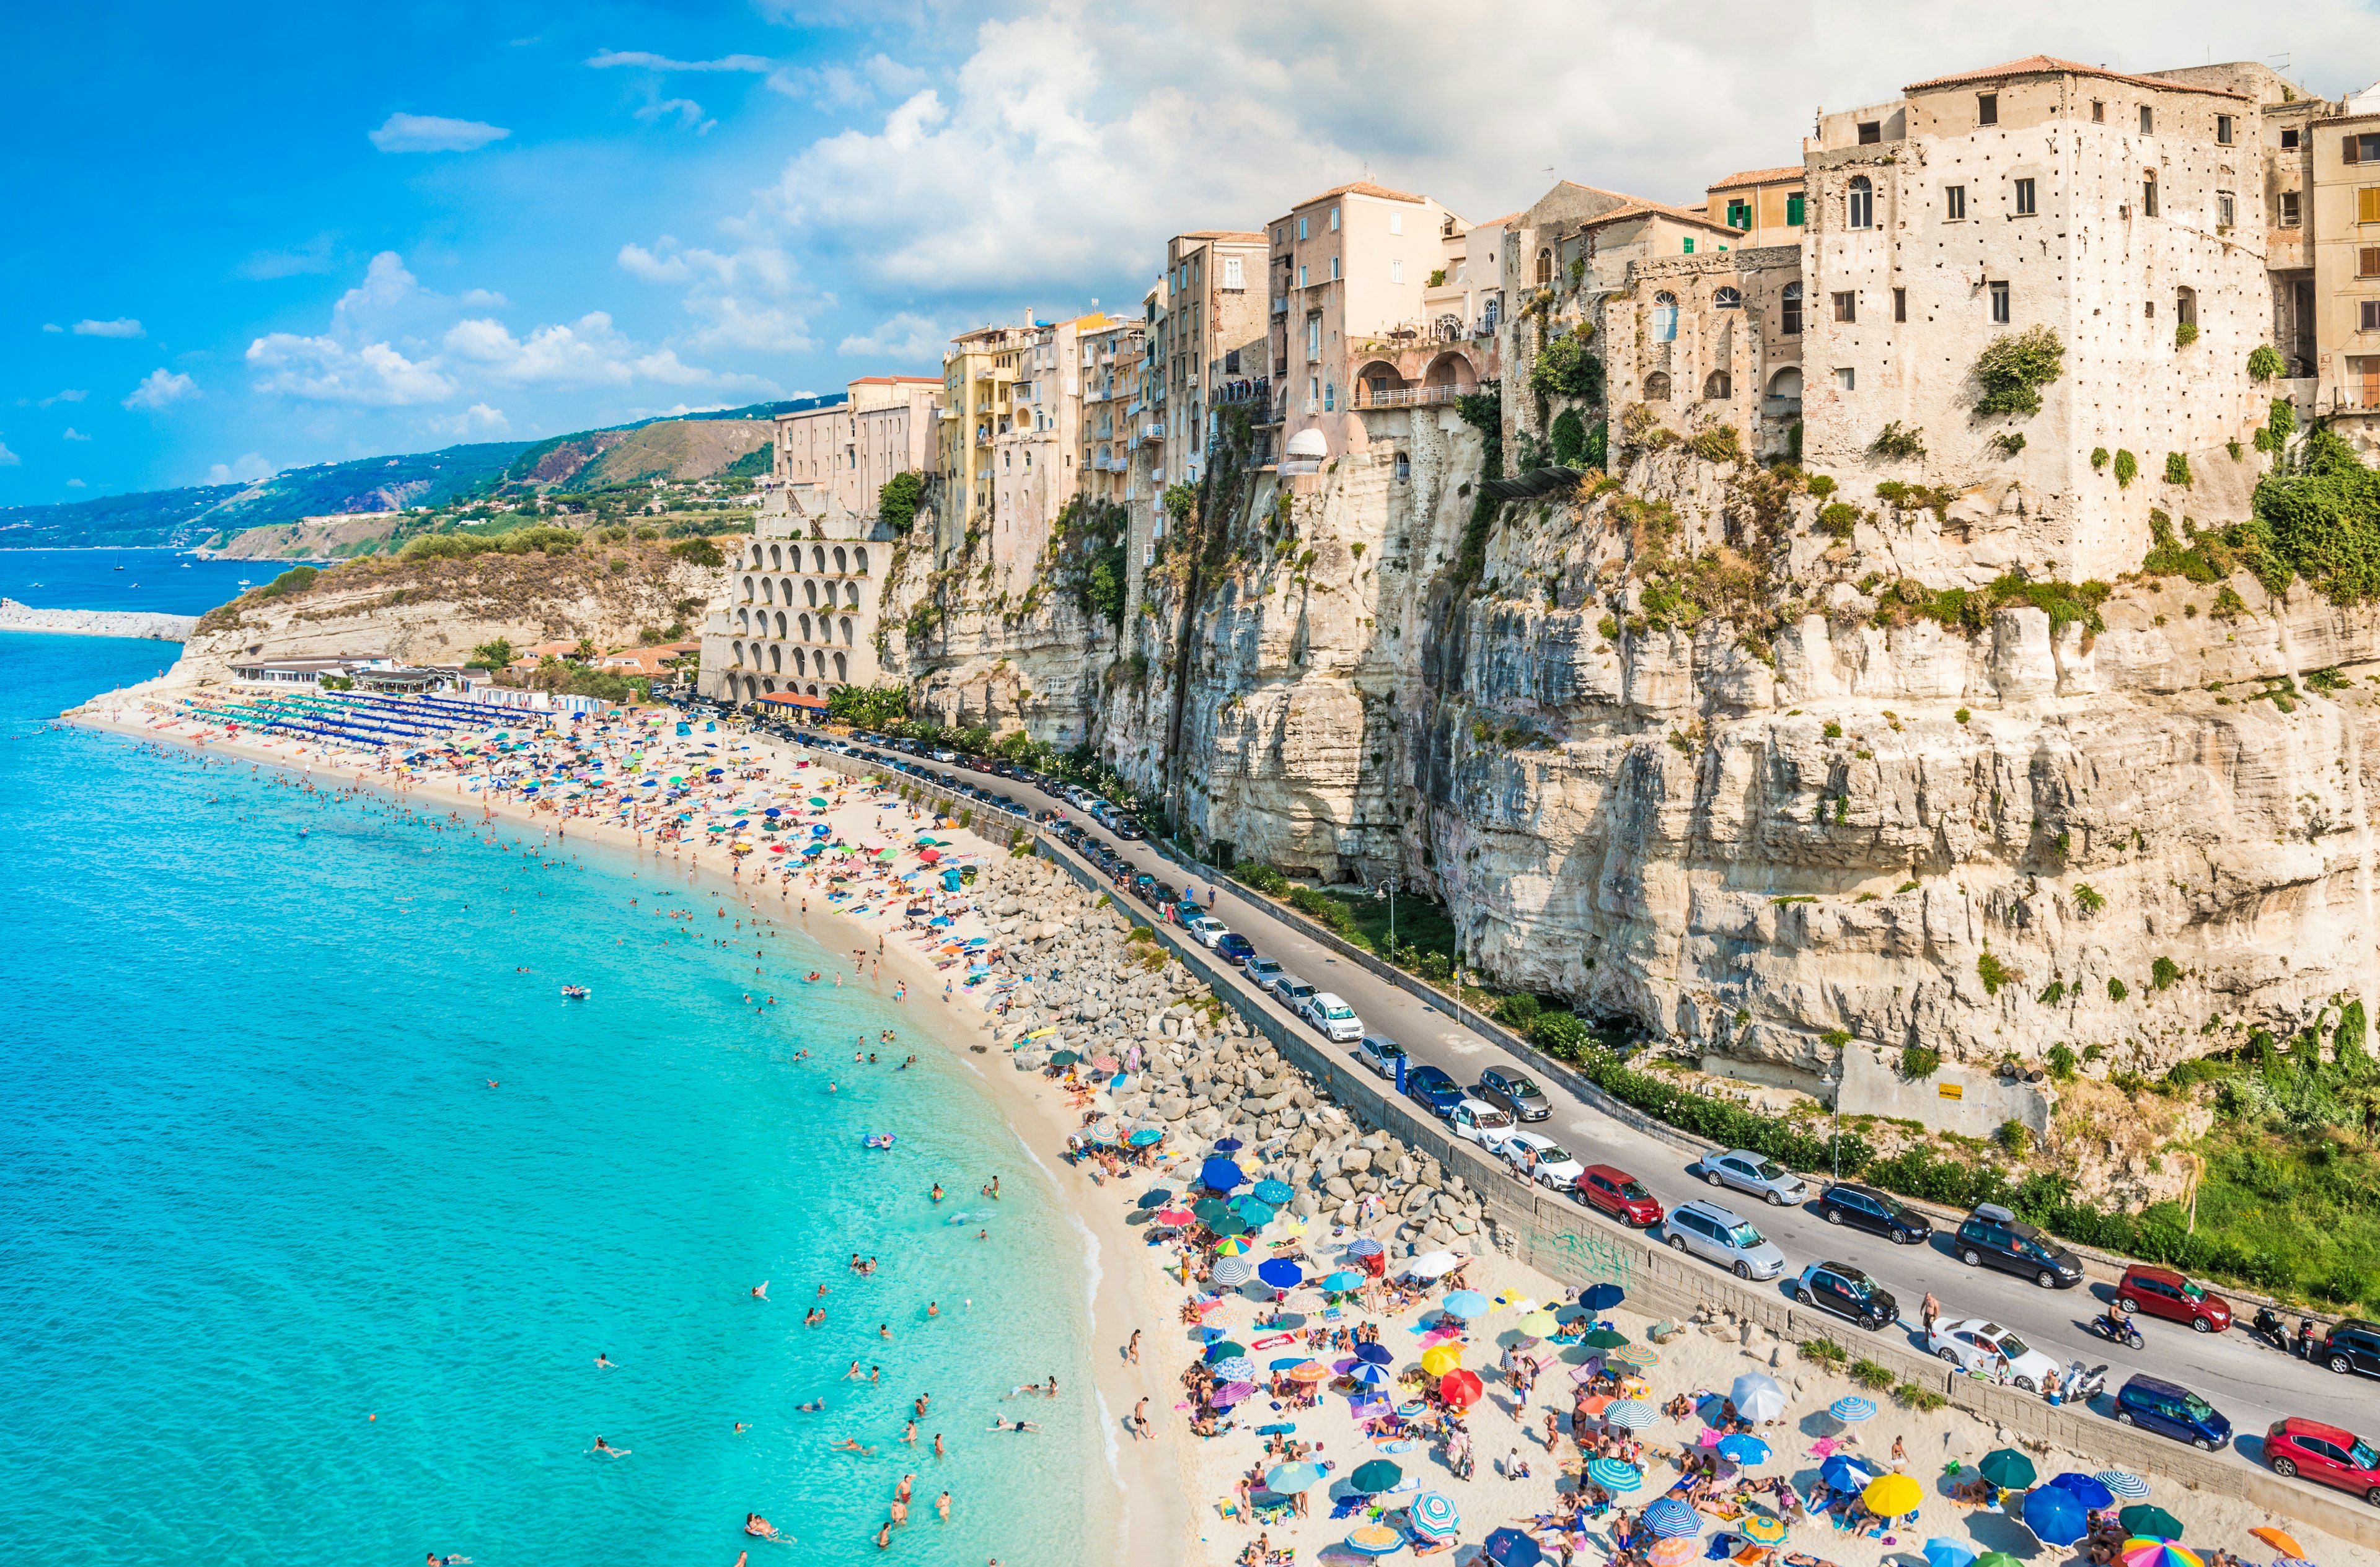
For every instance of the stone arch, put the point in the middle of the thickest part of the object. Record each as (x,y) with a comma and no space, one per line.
(859,560)
(1718,386)
(841,667)
(1657,387)
(1451,370)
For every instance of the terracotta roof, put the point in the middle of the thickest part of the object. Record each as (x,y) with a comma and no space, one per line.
(1757,176)
(1235,235)
(2046,65)
(1360,188)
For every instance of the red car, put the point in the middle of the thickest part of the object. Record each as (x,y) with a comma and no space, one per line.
(1618,1193)
(2161,1292)
(2325,1455)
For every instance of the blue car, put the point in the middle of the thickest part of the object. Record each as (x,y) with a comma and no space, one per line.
(1235,950)
(1431,1087)
(2172,1411)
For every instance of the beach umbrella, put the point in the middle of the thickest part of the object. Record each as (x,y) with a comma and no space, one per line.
(1369,1375)
(1890,1496)
(1312,1371)
(1146,1136)
(1342,1280)
(1288,1479)
(1637,1354)
(1156,1197)
(1844,1473)
(1761,1530)
(1466,1304)
(2085,1488)
(1671,1519)
(2152,1523)
(1604,1338)
(2010,1470)
(1433,1264)
(1282,1273)
(1375,1540)
(1746,1450)
(1756,1397)
(1439,1358)
(1461,1388)
(1232,1272)
(1376,1355)
(1948,1553)
(1219,1175)
(1375,1476)
(1511,1547)
(1851,1408)
(2053,1515)
(2280,1540)
(1602,1297)
(1537,1324)
(1274,1192)
(2131,1486)
(1365,1246)
(1231,1393)
(2138,1552)
(1674,1553)
(1631,1414)
(1615,1476)
(1238,1368)
(1433,1517)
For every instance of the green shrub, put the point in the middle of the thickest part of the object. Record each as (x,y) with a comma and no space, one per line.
(1918,1063)
(2265,363)
(2128,468)
(2013,370)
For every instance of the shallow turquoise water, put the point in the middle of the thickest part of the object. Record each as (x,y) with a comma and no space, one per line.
(258,1193)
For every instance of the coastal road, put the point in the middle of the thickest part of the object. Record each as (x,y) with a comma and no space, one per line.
(2252,1384)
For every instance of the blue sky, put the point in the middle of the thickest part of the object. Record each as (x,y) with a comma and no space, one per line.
(282,234)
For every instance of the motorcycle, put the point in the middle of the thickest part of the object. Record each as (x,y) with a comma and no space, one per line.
(2270,1328)
(2117,1330)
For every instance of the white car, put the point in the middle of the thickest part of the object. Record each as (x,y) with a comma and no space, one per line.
(1974,1345)
(1543,1159)
(1475,1120)
(1333,1017)
(1207,930)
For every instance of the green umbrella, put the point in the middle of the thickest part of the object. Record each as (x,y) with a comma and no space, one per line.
(1604,1338)
(2008,1470)
(2150,1523)
(1378,1476)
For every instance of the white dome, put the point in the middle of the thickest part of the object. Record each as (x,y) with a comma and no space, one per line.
(1308,443)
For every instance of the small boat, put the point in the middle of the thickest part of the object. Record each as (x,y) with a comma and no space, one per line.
(573,992)
(877,1139)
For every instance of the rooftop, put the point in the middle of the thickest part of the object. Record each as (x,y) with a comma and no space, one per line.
(2047,64)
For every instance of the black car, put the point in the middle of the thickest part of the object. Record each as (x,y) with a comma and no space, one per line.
(1865,1208)
(1993,1236)
(1847,1292)
(2353,1346)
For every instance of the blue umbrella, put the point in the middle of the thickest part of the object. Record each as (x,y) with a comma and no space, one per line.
(1510,1548)
(1375,1355)
(1844,1473)
(2054,1516)
(1670,1518)
(1742,1448)
(1274,1192)
(1602,1297)
(1851,1409)
(1219,1175)
(2085,1488)
(1947,1553)
(1614,1475)
(1282,1273)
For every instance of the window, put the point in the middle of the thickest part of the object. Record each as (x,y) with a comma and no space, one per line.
(2289,140)
(2289,209)
(2148,193)
(1233,276)
(1739,213)
(1871,132)
(2367,204)
(1954,203)
(1847,307)
(2148,120)
(1789,321)
(2098,112)
(1999,292)
(1987,108)
(1793,205)
(2367,315)
(1900,303)
(1860,203)
(1846,378)
(2227,208)
(1665,316)
(2024,198)
(1726,299)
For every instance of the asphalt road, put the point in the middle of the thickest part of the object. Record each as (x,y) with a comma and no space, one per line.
(2252,1384)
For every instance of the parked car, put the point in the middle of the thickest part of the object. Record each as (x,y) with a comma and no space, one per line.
(1432,1089)
(1515,1092)
(2353,1346)
(1235,948)
(1475,1120)
(2324,1454)
(1334,1018)
(1992,1234)
(1717,1234)
(2172,1410)
(1263,970)
(1867,1209)
(1380,1053)
(1207,930)
(1542,1160)
(1754,1172)
(1847,1292)
(1615,1191)
(1293,992)
(1977,1345)
(2161,1292)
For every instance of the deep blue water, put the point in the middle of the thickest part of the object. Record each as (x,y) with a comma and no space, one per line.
(283,1280)
(162,580)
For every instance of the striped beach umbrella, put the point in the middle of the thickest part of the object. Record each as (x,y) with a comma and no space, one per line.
(1761,1530)
(1631,1414)
(1671,1519)
(2131,1487)
(1851,1409)
(1615,1476)
(1433,1517)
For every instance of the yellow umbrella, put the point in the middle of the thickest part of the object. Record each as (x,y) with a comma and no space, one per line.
(1440,1359)
(1538,1324)
(1890,1496)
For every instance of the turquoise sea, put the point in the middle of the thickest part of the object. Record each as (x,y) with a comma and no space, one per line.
(283,1280)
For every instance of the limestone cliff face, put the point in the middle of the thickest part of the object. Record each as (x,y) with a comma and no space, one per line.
(1753,830)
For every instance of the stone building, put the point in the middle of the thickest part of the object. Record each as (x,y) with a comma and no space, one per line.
(803,601)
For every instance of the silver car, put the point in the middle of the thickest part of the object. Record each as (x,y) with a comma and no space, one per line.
(1711,1233)
(1754,1172)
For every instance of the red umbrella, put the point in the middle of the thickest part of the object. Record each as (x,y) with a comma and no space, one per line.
(1461,1388)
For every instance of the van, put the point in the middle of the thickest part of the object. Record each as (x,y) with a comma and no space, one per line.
(2172,1411)
(1715,1234)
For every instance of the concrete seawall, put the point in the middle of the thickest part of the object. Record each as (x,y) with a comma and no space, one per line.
(16,617)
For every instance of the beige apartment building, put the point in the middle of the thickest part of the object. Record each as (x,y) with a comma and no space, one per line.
(884,425)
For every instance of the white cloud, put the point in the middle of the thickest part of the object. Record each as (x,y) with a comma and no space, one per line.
(434,133)
(250,467)
(324,369)
(899,336)
(477,419)
(611,58)
(162,389)
(9,459)
(123,326)
(688,112)
(74,434)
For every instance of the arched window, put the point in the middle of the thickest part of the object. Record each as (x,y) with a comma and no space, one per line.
(1728,299)
(1861,205)
(860,562)
(1665,316)
(842,561)
(1544,265)
(842,666)
(846,631)
(1718,386)
(1789,317)
(1657,387)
